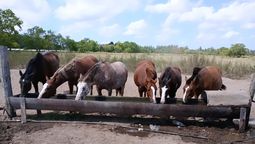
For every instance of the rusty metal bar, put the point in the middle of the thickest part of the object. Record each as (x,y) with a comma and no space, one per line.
(129,108)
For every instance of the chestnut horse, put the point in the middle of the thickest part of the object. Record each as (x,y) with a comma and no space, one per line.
(39,69)
(206,78)
(70,72)
(169,81)
(145,78)
(104,75)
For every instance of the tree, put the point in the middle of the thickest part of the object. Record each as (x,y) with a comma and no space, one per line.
(238,50)
(35,38)
(9,26)
(88,45)
(223,51)
(70,44)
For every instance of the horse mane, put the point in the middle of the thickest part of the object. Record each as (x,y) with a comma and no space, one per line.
(63,69)
(167,74)
(151,72)
(196,70)
(91,70)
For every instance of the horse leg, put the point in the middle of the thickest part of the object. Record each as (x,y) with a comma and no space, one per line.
(204,97)
(117,92)
(140,92)
(110,92)
(91,92)
(70,84)
(35,84)
(122,91)
(99,91)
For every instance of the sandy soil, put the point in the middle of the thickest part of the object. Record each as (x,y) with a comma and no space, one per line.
(108,129)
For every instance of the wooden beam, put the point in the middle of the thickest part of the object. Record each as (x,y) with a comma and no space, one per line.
(117,98)
(129,108)
(5,80)
(242,122)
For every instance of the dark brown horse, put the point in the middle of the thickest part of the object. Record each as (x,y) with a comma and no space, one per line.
(169,81)
(145,78)
(104,75)
(206,78)
(39,69)
(70,72)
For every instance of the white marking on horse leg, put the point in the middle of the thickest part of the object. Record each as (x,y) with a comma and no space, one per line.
(163,95)
(184,99)
(80,88)
(43,90)
(153,94)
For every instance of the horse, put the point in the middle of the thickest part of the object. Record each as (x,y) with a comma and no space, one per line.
(206,78)
(104,75)
(169,81)
(39,68)
(145,78)
(69,72)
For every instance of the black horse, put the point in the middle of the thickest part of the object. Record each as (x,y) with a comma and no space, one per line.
(39,69)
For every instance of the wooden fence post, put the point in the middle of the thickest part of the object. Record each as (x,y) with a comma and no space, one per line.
(5,80)
(243,120)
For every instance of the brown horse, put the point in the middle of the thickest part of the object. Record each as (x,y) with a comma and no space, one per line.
(145,78)
(169,81)
(206,78)
(70,72)
(104,75)
(39,69)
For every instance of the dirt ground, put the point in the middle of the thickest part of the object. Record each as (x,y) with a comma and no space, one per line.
(62,127)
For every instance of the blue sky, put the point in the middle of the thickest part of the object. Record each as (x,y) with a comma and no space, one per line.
(192,23)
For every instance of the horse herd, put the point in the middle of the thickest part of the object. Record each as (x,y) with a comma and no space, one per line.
(88,71)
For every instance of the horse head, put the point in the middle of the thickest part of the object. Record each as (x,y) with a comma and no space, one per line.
(86,81)
(164,87)
(151,89)
(49,88)
(25,83)
(189,89)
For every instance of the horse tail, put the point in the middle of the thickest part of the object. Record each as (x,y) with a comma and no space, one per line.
(223,87)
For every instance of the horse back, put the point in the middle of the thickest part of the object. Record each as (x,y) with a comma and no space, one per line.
(51,63)
(171,74)
(85,63)
(210,78)
(145,70)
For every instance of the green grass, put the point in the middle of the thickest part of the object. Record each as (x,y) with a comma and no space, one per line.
(231,67)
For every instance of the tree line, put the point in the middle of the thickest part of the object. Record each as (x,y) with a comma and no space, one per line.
(40,39)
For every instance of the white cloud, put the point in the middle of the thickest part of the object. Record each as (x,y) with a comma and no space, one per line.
(166,34)
(197,14)
(110,31)
(230,34)
(94,9)
(249,26)
(211,22)
(31,12)
(136,28)
(170,6)
(76,27)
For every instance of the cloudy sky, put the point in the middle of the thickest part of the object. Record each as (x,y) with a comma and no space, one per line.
(192,23)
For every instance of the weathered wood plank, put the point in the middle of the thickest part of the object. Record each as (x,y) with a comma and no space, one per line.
(242,121)
(23,109)
(118,98)
(5,80)
(129,108)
